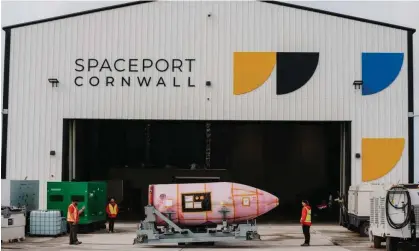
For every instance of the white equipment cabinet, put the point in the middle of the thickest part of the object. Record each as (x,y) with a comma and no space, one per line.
(358,207)
(13,222)
(394,215)
(5,192)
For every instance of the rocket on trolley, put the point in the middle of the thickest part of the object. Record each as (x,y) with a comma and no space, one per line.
(172,206)
(199,203)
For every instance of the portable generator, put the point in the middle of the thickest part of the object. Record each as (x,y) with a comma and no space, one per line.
(393,216)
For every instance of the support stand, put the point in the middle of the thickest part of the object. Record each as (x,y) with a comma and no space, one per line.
(148,233)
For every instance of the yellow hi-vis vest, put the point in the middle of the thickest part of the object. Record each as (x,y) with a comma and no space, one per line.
(308,217)
(113,209)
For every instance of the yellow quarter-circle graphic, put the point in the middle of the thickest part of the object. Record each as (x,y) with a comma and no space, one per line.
(251,70)
(380,156)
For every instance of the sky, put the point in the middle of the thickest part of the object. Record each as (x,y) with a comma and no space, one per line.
(404,13)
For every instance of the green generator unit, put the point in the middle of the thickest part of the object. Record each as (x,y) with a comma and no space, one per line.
(91,195)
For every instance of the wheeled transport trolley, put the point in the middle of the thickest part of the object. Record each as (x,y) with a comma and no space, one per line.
(148,232)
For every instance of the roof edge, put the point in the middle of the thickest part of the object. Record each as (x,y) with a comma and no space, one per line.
(80,13)
(270,2)
(340,15)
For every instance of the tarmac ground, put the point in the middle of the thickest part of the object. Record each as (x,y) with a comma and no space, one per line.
(274,237)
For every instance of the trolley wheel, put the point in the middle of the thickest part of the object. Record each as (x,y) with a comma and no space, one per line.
(391,244)
(377,241)
(249,236)
(137,241)
(143,238)
(364,229)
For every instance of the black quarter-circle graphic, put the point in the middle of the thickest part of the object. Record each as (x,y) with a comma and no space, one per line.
(294,70)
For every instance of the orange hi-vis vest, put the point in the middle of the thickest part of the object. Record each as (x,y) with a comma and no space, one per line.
(72,214)
(306,217)
(112,210)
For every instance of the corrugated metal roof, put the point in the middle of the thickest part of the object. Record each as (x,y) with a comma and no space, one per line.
(270,2)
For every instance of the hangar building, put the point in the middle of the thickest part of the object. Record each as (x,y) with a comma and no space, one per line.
(292,100)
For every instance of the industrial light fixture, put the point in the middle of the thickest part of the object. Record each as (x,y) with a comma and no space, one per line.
(358,84)
(208,83)
(358,155)
(54,82)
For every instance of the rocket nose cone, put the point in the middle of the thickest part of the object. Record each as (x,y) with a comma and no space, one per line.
(267,202)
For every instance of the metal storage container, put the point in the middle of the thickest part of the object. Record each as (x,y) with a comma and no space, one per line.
(92,195)
(20,193)
(13,223)
(47,223)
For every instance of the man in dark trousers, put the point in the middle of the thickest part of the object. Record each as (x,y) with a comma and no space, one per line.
(112,211)
(73,217)
(306,222)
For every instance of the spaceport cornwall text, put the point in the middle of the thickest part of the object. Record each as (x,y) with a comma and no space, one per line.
(133,65)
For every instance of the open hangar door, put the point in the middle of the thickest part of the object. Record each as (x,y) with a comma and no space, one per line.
(292,160)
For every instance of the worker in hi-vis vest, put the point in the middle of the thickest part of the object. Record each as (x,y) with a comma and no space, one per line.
(112,211)
(73,217)
(306,222)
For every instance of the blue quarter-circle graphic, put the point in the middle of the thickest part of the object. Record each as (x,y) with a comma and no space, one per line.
(379,70)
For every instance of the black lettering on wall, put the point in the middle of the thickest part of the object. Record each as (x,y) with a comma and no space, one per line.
(119,65)
(105,65)
(189,82)
(126,82)
(116,61)
(144,80)
(109,82)
(82,67)
(157,65)
(75,81)
(174,82)
(190,63)
(174,66)
(161,82)
(132,65)
(147,66)
(94,83)
(93,63)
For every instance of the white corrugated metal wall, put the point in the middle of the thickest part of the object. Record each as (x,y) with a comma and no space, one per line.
(184,30)
(416,143)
